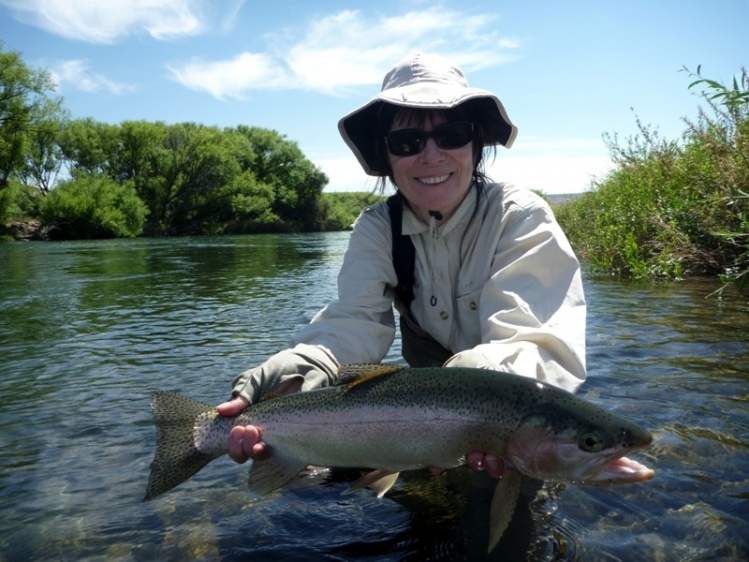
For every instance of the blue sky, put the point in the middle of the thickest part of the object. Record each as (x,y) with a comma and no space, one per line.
(567,71)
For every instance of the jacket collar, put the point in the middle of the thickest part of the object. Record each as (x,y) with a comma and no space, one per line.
(413,225)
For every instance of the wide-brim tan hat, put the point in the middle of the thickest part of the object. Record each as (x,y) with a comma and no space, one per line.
(425,81)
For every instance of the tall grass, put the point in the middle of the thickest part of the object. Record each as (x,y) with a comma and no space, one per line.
(672,208)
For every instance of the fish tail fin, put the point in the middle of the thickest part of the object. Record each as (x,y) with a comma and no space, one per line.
(176,458)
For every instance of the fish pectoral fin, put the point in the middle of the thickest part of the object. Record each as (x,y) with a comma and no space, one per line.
(380,480)
(503,505)
(354,375)
(271,473)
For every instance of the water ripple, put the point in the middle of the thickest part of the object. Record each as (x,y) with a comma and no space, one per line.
(89,329)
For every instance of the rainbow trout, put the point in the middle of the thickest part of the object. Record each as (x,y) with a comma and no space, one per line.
(392,419)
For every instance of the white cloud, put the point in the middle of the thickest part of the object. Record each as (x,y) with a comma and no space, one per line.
(105,21)
(232,78)
(76,74)
(345,50)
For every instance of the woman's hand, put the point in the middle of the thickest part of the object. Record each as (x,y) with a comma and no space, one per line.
(244,441)
(494,465)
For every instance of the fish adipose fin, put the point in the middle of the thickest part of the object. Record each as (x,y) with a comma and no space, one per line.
(176,457)
(503,505)
(273,472)
(380,480)
(354,375)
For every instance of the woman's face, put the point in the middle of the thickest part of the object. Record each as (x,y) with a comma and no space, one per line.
(435,179)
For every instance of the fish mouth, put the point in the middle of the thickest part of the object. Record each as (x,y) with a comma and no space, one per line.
(621,471)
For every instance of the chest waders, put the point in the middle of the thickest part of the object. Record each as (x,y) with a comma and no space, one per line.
(418,347)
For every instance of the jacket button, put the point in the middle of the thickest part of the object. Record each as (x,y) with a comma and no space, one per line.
(472,305)
(444,315)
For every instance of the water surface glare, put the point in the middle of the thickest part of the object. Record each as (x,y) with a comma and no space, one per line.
(89,329)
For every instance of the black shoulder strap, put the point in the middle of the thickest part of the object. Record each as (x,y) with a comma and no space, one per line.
(404,253)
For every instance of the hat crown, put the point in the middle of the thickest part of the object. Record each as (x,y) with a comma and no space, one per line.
(422,81)
(421,68)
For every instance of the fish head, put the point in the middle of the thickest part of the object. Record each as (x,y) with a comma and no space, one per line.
(581,444)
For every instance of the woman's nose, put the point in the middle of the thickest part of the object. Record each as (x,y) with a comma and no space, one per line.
(431,151)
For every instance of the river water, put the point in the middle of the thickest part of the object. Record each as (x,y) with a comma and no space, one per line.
(89,329)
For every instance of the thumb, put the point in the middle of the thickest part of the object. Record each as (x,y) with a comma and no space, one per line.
(233,406)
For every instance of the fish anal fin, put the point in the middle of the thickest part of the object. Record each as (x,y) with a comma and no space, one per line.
(271,473)
(354,375)
(504,501)
(380,480)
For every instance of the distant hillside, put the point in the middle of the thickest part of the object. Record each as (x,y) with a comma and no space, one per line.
(559,198)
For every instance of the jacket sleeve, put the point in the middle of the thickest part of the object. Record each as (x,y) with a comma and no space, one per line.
(358,327)
(532,309)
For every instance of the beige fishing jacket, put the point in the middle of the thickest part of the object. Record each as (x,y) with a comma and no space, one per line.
(497,283)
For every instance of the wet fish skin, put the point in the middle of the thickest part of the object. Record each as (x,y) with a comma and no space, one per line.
(394,419)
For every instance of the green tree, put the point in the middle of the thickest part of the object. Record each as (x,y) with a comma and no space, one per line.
(198,173)
(44,157)
(88,146)
(280,164)
(91,206)
(26,109)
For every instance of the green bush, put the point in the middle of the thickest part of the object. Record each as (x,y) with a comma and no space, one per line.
(672,208)
(339,210)
(93,207)
(18,202)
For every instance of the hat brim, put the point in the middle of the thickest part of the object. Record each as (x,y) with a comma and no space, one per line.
(357,128)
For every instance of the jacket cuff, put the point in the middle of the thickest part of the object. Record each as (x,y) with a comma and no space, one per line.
(315,364)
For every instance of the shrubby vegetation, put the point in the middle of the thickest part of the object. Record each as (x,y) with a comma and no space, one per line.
(139,177)
(338,211)
(673,208)
(92,206)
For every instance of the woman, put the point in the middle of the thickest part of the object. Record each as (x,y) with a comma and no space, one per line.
(495,282)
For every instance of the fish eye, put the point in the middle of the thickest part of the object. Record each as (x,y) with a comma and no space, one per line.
(591,441)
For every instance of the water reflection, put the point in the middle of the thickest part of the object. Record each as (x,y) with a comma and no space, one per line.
(90,328)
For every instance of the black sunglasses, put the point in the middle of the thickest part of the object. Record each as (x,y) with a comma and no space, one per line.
(448,136)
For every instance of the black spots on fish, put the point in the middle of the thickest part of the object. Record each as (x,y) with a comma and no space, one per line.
(634,437)
(176,457)
(624,437)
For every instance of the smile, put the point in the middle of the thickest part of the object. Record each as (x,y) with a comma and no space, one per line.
(435,179)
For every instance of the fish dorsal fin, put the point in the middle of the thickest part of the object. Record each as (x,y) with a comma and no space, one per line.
(353,375)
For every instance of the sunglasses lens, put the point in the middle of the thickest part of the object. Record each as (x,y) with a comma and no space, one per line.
(453,135)
(449,136)
(407,142)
